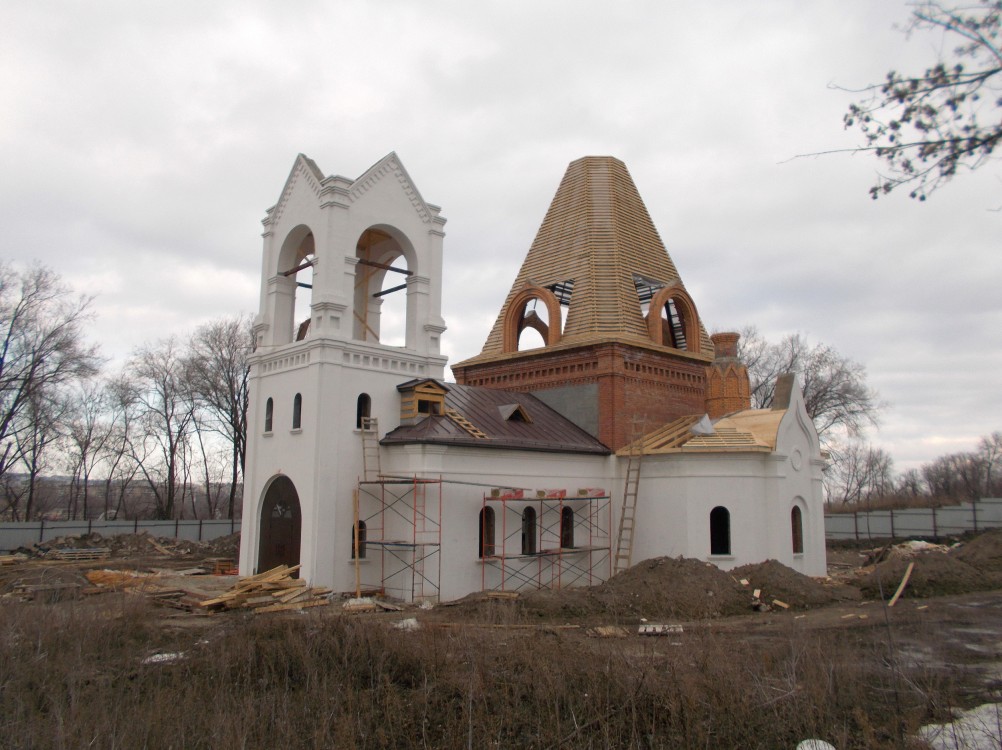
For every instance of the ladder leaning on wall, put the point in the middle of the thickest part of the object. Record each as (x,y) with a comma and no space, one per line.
(628,514)
(371,470)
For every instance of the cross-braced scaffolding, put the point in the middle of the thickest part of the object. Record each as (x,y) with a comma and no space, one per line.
(551,540)
(398,537)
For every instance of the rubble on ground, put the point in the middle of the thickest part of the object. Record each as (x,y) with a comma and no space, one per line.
(983,552)
(142,544)
(933,575)
(776,581)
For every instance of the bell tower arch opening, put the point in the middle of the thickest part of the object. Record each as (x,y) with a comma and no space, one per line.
(281,525)
(382,299)
(534,319)
(294,285)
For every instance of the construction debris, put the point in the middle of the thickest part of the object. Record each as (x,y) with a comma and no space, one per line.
(607,631)
(274,590)
(657,628)
(79,554)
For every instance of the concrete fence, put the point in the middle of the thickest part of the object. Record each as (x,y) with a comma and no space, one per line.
(916,522)
(24,534)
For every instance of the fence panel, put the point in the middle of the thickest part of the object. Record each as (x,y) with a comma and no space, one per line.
(24,534)
(910,522)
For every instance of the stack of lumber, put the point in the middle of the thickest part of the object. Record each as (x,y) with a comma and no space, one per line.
(169,596)
(274,590)
(84,553)
(10,559)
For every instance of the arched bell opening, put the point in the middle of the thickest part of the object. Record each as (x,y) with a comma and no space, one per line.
(281,526)
(383,303)
(533,320)
(672,320)
(294,285)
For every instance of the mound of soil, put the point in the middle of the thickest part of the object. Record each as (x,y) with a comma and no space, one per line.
(655,589)
(141,545)
(777,581)
(984,552)
(934,575)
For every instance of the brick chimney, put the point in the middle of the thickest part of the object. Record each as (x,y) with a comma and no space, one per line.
(727,386)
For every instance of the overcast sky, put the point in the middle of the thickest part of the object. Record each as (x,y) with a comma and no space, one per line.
(140,144)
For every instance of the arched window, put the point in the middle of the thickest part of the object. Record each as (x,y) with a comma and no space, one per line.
(720,531)
(269,413)
(797,527)
(297,411)
(567,528)
(363,409)
(361,541)
(529,531)
(486,532)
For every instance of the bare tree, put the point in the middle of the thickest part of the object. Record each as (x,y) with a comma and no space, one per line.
(43,428)
(990,448)
(218,374)
(858,473)
(836,395)
(165,412)
(926,127)
(117,453)
(89,431)
(41,348)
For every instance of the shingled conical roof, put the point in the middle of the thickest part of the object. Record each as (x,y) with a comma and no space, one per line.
(596,245)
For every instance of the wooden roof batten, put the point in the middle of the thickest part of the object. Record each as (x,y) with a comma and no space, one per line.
(599,251)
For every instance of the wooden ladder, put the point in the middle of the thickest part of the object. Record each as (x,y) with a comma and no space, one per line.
(628,514)
(466,424)
(371,469)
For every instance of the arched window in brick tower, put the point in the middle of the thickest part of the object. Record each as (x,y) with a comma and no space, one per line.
(720,531)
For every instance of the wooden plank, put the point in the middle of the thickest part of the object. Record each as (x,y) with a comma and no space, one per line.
(901,586)
(290,607)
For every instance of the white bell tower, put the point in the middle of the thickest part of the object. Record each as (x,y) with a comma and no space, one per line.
(351,297)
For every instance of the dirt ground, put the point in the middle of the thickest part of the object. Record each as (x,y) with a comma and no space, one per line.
(946,628)
(949,615)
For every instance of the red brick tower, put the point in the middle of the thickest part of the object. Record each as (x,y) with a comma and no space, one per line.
(727,386)
(623,349)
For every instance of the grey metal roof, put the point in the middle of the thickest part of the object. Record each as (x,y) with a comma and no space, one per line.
(489,411)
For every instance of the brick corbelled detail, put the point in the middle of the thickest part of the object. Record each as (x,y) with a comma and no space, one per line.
(727,387)
(638,389)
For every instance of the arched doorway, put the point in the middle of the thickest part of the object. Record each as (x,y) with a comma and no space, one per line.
(281,526)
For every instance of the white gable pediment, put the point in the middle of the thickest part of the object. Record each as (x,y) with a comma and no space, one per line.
(305,176)
(798,422)
(391,170)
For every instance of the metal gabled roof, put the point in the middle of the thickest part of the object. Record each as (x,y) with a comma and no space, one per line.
(489,411)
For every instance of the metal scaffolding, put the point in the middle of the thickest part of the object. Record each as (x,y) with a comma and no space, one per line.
(551,540)
(398,537)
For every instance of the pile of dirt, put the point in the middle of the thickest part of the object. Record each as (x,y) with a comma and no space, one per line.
(984,552)
(934,575)
(140,545)
(655,589)
(777,581)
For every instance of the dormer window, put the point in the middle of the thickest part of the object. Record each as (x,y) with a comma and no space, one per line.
(420,399)
(427,406)
(514,413)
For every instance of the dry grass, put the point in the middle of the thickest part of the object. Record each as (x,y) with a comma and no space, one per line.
(72,675)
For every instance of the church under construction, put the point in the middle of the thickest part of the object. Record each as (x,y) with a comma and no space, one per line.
(625,433)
